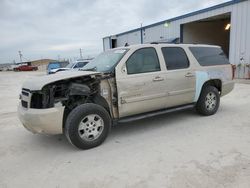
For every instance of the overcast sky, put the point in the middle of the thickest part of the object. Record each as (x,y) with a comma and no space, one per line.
(59,28)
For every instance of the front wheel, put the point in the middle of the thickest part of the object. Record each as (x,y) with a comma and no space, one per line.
(87,126)
(209,101)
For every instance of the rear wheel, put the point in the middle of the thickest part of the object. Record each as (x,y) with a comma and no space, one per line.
(209,101)
(87,126)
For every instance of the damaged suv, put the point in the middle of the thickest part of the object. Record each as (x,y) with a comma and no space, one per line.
(125,84)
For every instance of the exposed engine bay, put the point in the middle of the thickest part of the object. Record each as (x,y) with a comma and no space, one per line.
(69,93)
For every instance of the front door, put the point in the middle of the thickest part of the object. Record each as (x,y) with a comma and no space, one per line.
(141,86)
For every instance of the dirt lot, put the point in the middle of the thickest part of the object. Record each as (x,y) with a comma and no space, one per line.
(175,150)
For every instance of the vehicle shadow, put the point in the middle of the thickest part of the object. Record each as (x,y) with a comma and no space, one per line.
(119,131)
(55,142)
(152,123)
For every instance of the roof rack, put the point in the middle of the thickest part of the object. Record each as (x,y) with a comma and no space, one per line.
(163,43)
(169,41)
(175,43)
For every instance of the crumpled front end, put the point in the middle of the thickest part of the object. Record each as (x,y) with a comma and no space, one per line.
(43,101)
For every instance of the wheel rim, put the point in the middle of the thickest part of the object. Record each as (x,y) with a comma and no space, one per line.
(91,127)
(210,101)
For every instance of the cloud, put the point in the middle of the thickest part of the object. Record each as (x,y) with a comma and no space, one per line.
(71,46)
(45,28)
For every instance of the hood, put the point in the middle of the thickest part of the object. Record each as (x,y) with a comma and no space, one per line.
(37,83)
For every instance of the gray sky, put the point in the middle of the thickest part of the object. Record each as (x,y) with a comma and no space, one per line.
(52,28)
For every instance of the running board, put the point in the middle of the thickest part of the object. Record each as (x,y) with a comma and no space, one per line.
(154,113)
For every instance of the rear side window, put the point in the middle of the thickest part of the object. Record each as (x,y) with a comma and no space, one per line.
(175,58)
(209,56)
(142,61)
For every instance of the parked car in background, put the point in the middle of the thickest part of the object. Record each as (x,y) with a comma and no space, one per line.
(56,65)
(71,66)
(25,68)
(126,84)
(6,67)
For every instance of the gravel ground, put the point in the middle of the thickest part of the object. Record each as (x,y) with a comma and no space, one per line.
(175,150)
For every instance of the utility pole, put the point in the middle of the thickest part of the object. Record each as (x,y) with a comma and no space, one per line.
(80,53)
(20,55)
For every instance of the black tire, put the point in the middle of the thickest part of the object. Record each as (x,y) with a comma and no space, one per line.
(205,106)
(77,116)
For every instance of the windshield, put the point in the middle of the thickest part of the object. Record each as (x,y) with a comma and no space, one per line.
(70,65)
(105,61)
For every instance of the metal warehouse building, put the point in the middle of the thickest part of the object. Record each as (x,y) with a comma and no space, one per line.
(227,25)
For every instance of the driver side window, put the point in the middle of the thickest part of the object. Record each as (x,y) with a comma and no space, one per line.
(142,61)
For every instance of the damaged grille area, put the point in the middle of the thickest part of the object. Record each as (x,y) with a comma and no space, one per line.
(24,104)
(36,100)
(25,94)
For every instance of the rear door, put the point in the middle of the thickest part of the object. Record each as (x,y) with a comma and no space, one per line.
(140,82)
(180,76)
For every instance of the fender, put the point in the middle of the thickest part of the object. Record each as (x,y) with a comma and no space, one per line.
(201,78)
(204,76)
(98,99)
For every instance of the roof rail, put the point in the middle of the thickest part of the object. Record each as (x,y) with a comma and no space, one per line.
(176,43)
(169,41)
(165,43)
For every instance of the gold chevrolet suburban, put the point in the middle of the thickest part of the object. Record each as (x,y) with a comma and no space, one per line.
(125,84)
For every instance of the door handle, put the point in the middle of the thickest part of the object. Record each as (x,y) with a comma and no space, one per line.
(189,74)
(158,78)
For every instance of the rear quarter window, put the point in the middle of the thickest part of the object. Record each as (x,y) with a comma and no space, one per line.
(208,56)
(175,58)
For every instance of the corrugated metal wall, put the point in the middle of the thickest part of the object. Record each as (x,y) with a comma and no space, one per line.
(239,35)
(240,38)
(160,32)
(130,38)
(106,43)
